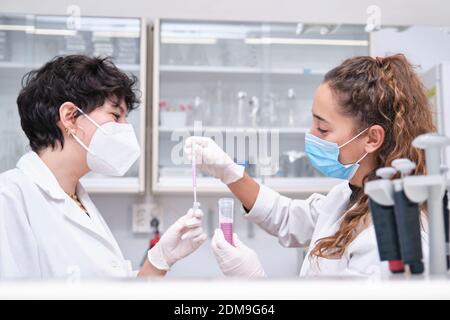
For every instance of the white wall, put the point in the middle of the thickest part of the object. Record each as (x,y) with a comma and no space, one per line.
(423,46)
(431,12)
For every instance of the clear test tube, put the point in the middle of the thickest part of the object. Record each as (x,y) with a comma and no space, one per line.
(226,218)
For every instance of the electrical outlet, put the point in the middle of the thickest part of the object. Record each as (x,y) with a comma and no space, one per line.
(143,213)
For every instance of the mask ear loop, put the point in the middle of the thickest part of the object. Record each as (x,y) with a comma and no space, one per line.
(357,137)
(82,144)
(362,158)
(354,138)
(365,155)
(78,139)
(357,162)
(91,120)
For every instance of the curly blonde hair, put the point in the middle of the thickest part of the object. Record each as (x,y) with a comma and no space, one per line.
(384,91)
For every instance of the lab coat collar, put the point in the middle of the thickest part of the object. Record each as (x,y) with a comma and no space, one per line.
(96,218)
(33,166)
(94,222)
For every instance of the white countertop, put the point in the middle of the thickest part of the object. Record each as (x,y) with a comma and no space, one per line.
(226,289)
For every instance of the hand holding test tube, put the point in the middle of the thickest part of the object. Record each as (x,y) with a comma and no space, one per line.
(236,260)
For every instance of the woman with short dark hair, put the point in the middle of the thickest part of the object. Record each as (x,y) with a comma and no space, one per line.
(73,111)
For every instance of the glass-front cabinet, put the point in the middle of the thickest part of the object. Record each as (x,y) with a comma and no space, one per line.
(250,87)
(29,41)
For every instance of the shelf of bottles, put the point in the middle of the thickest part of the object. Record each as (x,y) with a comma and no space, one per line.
(29,41)
(234,81)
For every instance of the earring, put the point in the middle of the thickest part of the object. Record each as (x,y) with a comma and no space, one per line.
(68,131)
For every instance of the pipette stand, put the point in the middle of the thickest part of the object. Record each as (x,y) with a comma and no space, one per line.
(381,205)
(431,188)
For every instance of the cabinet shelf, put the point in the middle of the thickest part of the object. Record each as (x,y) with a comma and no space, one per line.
(239,70)
(16,65)
(21,54)
(214,186)
(112,184)
(226,79)
(21,65)
(289,130)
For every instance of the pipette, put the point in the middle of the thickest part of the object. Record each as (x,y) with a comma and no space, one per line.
(196,204)
(407,217)
(381,204)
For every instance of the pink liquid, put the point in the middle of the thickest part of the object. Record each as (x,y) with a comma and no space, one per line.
(227,229)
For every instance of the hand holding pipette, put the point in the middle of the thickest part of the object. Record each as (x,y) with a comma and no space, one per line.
(212,159)
(183,237)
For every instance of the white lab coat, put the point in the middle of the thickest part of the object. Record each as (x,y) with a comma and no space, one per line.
(43,232)
(299,223)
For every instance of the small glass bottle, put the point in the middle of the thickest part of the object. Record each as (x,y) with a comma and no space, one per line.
(292,107)
(241,112)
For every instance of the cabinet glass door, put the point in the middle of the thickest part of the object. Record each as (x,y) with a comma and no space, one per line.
(248,82)
(16,47)
(31,41)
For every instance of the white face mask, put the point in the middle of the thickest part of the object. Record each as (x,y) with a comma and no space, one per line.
(113,148)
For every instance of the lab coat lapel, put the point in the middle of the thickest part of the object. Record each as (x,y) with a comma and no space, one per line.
(96,220)
(32,166)
(81,220)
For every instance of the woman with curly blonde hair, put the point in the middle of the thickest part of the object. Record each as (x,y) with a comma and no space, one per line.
(366,114)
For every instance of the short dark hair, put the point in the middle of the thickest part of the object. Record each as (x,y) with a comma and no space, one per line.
(85,81)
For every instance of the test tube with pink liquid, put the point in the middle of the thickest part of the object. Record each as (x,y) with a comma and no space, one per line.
(226,216)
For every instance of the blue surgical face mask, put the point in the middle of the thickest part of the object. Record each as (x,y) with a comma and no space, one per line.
(324,157)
